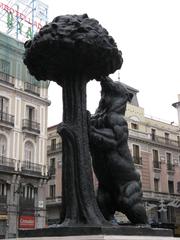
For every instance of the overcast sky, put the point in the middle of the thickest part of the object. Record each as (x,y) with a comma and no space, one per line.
(148,34)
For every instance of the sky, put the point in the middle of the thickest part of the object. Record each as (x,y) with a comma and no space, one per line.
(148,34)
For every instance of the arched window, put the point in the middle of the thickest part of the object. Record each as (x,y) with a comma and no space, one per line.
(28,191)
(29,152)
(3,145)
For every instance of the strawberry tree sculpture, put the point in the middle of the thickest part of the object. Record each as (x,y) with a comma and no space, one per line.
(72,50)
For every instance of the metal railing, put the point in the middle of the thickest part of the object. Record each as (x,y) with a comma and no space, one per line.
(7,163)
(156,164)
(30,125)
(165,141)
(31,88)
(137,160)
(31,167)
(55,147)
(6,78)
(54,200)
(170,167)
(7,118)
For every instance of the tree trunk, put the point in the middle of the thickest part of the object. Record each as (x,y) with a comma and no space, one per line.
(78,199)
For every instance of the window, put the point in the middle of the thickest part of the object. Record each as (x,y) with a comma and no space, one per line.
(3,145)
(153,134)
(52,191)
(169,161)
(156,185)
(171,187)
(52,166)
(136,154)
(53,144)
(134,126)
(28,192)
(178,187)
(3,189)
(166,138)
(178,141)
(30,113)
(4,103)
(29,153)
(4,66)
(156,159)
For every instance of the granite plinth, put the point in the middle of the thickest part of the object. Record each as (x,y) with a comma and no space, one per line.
(103,237)
(127,230)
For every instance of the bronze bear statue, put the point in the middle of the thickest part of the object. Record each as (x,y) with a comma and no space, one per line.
(119,186)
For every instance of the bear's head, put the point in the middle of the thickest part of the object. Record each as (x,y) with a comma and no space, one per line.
(114,96)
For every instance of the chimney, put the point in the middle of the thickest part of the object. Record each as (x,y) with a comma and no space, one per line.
(177,106)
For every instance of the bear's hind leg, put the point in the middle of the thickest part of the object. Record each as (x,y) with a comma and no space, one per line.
(131,202)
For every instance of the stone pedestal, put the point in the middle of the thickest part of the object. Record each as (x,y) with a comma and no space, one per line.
(102,237)
(90,232)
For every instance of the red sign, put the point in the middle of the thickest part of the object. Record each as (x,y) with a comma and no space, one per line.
(27,222)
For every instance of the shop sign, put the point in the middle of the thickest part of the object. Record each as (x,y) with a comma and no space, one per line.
(3,217)
(27,222)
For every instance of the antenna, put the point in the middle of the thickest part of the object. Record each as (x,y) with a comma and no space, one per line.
(118,76)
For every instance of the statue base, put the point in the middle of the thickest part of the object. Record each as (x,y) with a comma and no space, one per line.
(98,232)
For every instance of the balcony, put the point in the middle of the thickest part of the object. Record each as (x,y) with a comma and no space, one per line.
(31,168)
(54,148)
(7,79)
(7,164)
(30,126)
(165,141)
(150,195)
(6,119)
(156,164)
(31,88)
(137,160)
(170,167)
(57,200)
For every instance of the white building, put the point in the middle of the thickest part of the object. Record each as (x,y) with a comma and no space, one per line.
(23,142)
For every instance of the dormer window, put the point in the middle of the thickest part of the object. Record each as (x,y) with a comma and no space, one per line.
(134,126)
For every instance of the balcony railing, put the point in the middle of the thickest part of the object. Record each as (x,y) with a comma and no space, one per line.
(30,126)
(52,170)
(7,119)
(137,160)
(54,148)
(6,78)
(170,167)
(7,163)
(165,141)
(156,164)
(31,168)
(55,200)
(31,88)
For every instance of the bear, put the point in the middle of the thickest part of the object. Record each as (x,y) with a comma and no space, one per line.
(119,185)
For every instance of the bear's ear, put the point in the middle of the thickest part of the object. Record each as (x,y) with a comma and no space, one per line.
(130,96)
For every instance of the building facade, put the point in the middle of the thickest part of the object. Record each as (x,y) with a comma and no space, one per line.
(54,186)
(23,142)
(155,148)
